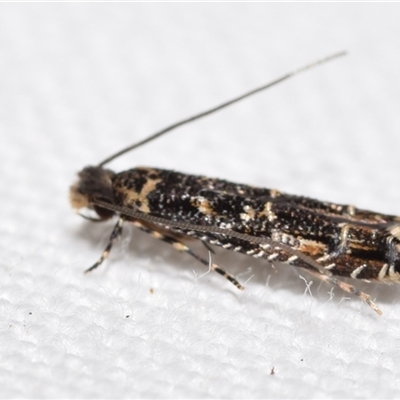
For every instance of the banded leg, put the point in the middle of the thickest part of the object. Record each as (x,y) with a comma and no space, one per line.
(324,275)
(347,288)
(115,235)
(178,245)
(280,253)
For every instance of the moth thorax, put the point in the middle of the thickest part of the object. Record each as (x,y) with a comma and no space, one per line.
(94,183)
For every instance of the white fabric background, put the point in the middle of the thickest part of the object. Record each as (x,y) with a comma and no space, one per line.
(80,81)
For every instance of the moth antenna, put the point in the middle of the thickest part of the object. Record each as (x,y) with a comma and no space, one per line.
(221,106)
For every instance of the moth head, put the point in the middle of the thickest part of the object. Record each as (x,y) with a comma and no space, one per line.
(94,183)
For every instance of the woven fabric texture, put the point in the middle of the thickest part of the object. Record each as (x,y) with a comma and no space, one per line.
(80,81)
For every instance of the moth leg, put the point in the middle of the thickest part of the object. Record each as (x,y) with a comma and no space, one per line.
(115,235)
(178,245)
(208,247)
(347,288)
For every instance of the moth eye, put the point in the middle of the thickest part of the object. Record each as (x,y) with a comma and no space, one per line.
(103,213)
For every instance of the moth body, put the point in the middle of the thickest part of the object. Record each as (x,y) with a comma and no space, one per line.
(342,239)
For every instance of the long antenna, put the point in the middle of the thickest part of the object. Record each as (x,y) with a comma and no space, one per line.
(221,106)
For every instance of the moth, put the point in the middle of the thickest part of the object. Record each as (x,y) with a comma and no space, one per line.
(327,240)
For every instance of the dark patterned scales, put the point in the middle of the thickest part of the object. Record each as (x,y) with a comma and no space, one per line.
(324,238)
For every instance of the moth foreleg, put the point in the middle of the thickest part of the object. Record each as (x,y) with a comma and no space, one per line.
(180,246)
(115,235)
(347,288)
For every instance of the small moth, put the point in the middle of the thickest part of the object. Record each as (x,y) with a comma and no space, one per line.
(327,240)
